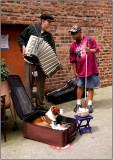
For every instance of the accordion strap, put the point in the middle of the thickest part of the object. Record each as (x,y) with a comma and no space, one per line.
(38,33)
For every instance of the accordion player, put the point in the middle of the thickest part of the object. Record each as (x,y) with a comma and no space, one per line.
(39,48)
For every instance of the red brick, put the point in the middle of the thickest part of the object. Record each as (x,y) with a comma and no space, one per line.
(68,13)
(54,2)
(4,17)
(28,22)
(9,9)
(101,2)
(9,22)
(16,6)
(19,22)
(34,7)
(26,3)
(3,9)
(13,18)
(99,25)
(15,10)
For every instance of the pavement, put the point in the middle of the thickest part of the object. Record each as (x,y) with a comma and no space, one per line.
(95,145)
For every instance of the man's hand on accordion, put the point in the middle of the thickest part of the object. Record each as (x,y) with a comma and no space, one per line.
(24,50)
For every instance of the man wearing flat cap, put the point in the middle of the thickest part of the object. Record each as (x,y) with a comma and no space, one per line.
(39,30)
(81,46)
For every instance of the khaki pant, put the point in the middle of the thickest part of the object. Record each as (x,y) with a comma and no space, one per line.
(40,83)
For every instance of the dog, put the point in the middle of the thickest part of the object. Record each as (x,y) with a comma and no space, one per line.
(50,118)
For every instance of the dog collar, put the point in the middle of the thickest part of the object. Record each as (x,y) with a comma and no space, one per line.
(51,119)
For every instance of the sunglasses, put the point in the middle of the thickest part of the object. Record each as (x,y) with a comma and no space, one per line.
(74,33)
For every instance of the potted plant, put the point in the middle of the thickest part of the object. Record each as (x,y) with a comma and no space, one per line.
(4,84)
(5,90)
(4,70)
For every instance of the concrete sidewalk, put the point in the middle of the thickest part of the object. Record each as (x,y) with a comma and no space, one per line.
(95,145)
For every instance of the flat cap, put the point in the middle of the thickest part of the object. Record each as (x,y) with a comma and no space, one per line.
(75,28)
(47,17)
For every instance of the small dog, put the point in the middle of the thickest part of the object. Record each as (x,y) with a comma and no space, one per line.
(50,118)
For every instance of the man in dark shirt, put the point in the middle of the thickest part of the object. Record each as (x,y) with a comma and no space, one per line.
(40,30)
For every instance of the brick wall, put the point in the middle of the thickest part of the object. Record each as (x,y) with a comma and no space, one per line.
(95,17)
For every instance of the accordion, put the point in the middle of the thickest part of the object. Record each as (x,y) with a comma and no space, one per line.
(39,48)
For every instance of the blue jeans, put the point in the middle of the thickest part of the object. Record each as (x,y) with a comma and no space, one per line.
(92,81)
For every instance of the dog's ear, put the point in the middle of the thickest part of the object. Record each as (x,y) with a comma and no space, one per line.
(53,108)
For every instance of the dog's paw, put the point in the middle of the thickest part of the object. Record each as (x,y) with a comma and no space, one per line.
(57,126)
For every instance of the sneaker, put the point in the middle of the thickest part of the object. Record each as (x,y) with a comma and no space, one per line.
(89,107)
(77,107)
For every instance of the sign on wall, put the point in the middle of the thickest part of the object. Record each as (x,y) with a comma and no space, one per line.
(4,41)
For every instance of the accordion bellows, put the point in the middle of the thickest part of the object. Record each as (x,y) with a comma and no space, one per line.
(49,62)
